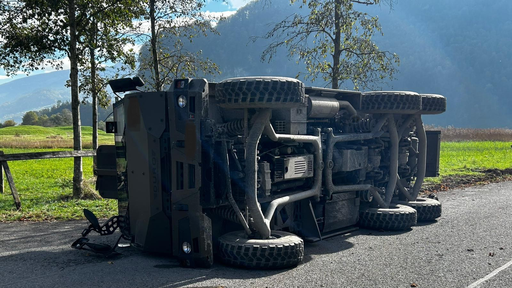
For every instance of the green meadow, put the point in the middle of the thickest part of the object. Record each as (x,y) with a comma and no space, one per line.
(463,158)
(45,186)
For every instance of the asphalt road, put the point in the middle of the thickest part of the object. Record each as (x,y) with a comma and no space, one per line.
(470,246)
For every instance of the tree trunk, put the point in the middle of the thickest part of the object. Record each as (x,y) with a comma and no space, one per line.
(154,51)
(337,45)
(75,102)
(94,91)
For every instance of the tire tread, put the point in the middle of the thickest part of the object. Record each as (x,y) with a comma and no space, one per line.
(399,102)
(278,253)
(260,92)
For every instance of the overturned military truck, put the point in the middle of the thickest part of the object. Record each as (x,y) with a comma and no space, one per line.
(247,169)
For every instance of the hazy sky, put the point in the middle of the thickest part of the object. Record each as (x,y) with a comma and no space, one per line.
(211,6)
(228,5)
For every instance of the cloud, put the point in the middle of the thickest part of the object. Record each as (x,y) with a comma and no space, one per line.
(144,26)
(237,3)
(214,17)
(217,15)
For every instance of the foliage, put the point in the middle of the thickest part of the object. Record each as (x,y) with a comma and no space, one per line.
(36,33)
(50,119)
(9,123)
(182,21)
(335,42)
(107,42)
(52,116)
(30,118)
(176,62)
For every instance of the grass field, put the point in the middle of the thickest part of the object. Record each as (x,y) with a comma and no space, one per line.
(461,158)
(45,186)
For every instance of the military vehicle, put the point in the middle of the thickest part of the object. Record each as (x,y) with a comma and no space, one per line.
(247,169)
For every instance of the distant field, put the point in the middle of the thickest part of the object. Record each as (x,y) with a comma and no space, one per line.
(452,134)
(26,136)
(45,186)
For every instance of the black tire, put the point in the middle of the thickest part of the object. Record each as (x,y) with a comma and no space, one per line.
(432,104)
(396,217)
(395,102)
(260,92)
(283,250)
(428,209)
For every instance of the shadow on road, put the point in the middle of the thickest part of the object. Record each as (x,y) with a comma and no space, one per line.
(45,250)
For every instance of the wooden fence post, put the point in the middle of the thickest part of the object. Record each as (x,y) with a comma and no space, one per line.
(5,166)
(17,201)
(1,174)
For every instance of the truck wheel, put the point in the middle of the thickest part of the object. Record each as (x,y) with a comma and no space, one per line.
(427,209)
(396,217)
(395,102)
(432,104)
(260,92)
(282,250)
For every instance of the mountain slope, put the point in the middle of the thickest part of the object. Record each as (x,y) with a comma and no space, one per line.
(32,93)
(460,50)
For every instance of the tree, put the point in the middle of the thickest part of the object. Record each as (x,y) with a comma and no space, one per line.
(44,121)
(107,42)
(166,19)
(67,117)
(9,123)
(30,118)
(36,33)
(56,120)
(335,43)
(102,125)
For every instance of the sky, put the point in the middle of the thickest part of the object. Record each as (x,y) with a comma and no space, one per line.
(226,7)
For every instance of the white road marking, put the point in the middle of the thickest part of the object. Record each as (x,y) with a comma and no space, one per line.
(183,282)
(490,275)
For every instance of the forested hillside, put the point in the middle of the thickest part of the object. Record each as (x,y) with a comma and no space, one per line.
(458,49)
(85,112)
(32,93)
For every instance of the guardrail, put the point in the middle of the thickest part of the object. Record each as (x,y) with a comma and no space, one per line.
(4,158)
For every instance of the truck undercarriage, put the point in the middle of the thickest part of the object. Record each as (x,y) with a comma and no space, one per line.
(248,168)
